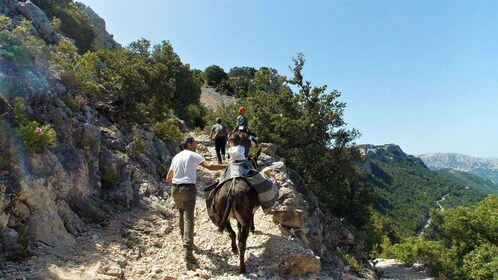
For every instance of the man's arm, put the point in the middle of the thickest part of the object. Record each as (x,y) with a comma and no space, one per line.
(213,165)
(169,177)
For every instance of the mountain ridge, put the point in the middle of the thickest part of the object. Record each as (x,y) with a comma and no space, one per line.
(486,168)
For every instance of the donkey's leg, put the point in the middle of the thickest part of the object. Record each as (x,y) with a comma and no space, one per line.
(252,224)
(244,233)
(231,233)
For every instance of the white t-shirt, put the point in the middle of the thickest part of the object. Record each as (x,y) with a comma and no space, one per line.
(237,152)
(184,166)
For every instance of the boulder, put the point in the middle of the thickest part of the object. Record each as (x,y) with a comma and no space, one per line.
(9,239)
(38,18)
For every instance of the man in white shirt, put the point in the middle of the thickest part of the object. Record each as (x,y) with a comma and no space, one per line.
(182,174)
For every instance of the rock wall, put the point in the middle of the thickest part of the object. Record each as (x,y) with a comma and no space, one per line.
(94,164)
(297,210)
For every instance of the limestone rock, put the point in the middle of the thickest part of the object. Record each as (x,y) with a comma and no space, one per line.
(9,239)
(38,18)
(268,148)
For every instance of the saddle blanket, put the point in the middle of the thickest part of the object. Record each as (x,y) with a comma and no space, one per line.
(266,189)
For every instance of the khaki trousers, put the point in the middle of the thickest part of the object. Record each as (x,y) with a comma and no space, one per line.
(184,196)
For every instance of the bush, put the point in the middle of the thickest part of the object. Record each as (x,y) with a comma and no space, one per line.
(78,103)
(167,131)
(139,144)
(36,136)
(482,263)
(17,44)
(77,72)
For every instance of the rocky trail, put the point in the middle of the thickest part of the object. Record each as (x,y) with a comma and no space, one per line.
(143,243)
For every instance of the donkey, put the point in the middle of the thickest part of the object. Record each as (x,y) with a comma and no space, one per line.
(237,199)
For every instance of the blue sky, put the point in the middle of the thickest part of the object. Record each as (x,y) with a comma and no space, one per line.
(420,74)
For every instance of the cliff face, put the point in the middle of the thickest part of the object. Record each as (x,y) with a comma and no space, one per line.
(104,39)
(484,167)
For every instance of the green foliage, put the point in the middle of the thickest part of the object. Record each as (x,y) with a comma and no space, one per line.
(73,22)
(78,102)
(407,213)
(77,72)
(378,235)
(18,108)
(167,130)
(151,83)
(352,262)
(308,129)
(215,75)
(463,244)
(139,144)
(17,44)
(197,131)
(241,81)
(415,250)
(482,263)
(36,136)
(470,180)
(110,177)
(130,244)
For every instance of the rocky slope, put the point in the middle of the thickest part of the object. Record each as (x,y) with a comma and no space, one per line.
(212,99)
(484,167)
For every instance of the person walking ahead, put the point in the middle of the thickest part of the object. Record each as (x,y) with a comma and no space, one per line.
(242,122)
(219,132)
(182,174)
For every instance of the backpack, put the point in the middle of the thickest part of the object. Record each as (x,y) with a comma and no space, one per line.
(219,130)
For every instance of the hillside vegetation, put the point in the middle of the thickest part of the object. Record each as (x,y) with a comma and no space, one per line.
(406,192)
(470,180)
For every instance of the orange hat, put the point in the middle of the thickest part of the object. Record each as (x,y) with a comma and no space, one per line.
(242,110)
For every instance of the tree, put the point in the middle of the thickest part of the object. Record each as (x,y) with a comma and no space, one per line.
(241,80)
(308,128)
(214,75)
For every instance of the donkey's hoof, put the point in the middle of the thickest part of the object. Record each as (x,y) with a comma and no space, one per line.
(235,251)
(242,269)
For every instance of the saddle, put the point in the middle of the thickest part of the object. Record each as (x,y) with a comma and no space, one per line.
(266,189)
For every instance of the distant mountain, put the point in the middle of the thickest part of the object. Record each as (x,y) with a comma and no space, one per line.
(406,189)
(470,180)
(486,168)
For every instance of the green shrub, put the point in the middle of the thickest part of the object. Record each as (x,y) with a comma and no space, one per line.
(167,130)
(36,136)
(130,244)
(110,177)
(355,267)
(22,252)
(18,44)
(78,102)
(139,144)
(77,72)
(482,263)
